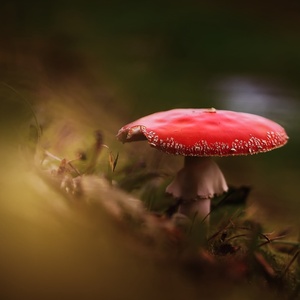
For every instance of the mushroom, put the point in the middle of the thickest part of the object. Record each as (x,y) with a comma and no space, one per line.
(199,134)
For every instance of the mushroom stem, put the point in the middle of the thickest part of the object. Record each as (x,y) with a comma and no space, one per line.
(195,184)
(196,208)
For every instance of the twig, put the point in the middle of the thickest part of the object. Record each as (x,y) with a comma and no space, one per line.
(276,239)
(63,161)
(290,263)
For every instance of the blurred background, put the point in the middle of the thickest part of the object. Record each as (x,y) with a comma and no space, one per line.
(87,65)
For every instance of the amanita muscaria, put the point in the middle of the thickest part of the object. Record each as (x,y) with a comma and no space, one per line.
(199,134)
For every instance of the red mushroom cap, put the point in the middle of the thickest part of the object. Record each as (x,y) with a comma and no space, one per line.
(206,132)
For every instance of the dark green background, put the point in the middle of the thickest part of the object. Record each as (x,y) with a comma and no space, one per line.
(101,64)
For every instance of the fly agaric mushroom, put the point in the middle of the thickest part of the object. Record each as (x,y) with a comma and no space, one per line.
(198,134)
